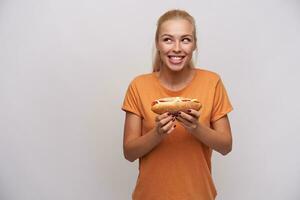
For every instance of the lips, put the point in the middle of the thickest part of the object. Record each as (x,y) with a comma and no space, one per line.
(176,59)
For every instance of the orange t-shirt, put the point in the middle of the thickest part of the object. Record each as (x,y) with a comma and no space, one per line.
(179,168)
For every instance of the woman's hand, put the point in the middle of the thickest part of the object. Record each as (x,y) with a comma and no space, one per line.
(165,123)
(189,120)
(218,137)
(136,144)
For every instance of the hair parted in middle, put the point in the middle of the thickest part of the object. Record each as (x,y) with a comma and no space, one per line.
(169,15)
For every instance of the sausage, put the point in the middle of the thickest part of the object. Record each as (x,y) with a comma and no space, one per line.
(174,105)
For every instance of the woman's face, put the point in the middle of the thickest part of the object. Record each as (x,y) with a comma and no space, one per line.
(176,43)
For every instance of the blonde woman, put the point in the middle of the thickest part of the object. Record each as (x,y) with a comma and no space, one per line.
(174,152)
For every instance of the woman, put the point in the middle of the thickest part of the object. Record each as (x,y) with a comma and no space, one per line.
(174,152)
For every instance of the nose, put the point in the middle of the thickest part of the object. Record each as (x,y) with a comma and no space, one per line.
(177,46)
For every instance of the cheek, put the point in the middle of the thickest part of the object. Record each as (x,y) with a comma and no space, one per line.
(189,50)
(165,48)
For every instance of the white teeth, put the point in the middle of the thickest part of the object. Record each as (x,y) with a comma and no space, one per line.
(176,57)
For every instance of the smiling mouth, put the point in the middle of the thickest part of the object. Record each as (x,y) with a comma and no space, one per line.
(176,59)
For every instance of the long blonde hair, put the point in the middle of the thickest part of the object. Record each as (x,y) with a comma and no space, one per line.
(171,14)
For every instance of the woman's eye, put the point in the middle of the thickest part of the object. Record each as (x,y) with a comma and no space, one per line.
(186,40)
(167,40)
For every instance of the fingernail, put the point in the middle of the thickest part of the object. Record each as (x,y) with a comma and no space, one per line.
(169,114)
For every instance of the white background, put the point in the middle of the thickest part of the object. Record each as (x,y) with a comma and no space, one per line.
(65,66)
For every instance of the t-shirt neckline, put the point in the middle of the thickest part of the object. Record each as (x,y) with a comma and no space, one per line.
(177,92)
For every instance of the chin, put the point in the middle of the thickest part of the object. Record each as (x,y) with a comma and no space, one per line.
(176,67)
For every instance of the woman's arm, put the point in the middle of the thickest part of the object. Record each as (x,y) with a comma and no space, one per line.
(136,145)
(218,137)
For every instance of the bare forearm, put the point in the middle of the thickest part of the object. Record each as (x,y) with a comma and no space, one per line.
(214,139)
(142,145)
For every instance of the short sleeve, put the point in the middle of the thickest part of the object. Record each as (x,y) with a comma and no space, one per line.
(131,100)
(221,102)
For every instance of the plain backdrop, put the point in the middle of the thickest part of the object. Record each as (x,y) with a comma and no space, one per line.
(64,69)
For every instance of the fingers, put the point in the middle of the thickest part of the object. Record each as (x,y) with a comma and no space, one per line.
(184,121)
(169,127)
(190,120)
(194,113)
(165,120)
(191,117)
(162,116)
(165,123)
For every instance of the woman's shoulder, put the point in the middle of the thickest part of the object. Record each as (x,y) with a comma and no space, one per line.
(208,74)
(142,79)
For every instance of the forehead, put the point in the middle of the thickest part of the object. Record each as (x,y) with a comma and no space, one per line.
(176,27)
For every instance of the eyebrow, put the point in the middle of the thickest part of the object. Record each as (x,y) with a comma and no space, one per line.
(172,35)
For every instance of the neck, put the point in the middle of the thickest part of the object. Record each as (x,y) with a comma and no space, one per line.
(175,80)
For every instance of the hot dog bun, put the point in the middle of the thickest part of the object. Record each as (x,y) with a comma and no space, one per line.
(174,104)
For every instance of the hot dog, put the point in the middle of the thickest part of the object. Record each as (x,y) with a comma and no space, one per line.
(174,105)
